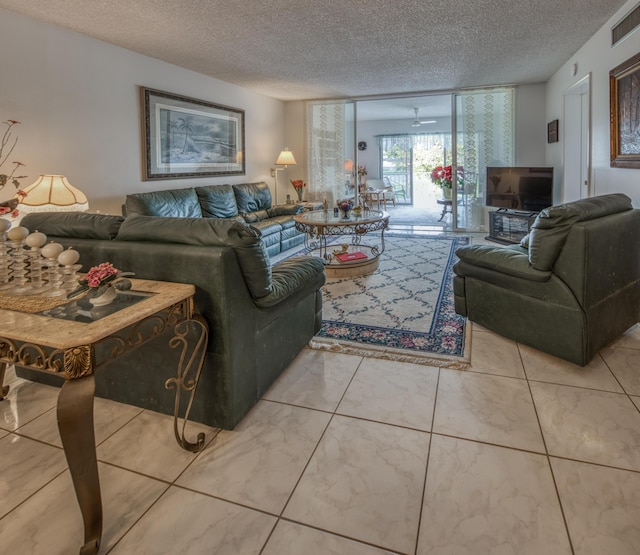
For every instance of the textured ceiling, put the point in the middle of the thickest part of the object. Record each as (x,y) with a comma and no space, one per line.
(302,49)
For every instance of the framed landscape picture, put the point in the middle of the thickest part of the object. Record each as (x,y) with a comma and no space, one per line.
(624,90)
(184,137)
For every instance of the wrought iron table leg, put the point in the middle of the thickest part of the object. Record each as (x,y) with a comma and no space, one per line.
(189,369)
(75,423)
(4,389)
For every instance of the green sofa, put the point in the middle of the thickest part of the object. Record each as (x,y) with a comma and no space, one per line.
(569,288)
(244,202)
(259,316)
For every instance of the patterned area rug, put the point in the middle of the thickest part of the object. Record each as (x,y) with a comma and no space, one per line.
(404,311)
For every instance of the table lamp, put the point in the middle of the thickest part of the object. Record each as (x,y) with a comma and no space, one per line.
(53,193)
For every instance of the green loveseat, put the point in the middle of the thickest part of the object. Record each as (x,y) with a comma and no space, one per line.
(569,288)
(259,316)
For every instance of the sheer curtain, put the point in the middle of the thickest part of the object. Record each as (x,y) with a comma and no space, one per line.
(484,138)
(486,120)
(326,151)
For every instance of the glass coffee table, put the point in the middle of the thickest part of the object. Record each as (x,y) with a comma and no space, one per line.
(344,259)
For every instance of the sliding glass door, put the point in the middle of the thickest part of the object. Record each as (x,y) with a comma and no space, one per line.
(403,141)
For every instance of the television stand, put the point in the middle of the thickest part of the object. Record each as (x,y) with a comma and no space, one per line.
(509,226)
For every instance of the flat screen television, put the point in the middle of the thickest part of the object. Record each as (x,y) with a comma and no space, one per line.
(522,189)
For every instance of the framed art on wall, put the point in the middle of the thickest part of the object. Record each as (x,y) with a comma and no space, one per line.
(184,137)
(624,90)
(552,131)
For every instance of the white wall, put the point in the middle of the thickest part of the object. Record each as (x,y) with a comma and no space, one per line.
(597,58)
(78,103)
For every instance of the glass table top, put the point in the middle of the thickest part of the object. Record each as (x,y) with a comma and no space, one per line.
(81,310)
(330,218)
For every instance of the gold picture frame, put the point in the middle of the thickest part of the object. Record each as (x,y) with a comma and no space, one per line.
(624,91)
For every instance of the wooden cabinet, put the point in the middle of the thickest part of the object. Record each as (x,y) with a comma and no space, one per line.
(509,226)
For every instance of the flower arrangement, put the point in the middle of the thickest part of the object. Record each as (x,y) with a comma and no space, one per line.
(443,176)
(99,279)
(11,206)
(345,206)
(299,186)
(7,144)
(362,171)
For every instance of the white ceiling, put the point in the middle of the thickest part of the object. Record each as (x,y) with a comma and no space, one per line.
(304,49)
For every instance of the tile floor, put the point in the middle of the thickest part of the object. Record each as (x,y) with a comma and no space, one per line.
(522,454)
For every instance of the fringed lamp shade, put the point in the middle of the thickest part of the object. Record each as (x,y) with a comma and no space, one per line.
(53,193)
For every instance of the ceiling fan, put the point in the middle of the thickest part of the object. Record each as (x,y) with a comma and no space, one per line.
(418,122)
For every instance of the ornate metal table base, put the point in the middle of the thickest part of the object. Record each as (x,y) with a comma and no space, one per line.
(75,400)
(75,424)
(191,360)
(320,226)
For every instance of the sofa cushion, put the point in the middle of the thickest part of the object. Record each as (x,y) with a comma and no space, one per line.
(73,224)
(245,240)
(551,227)
(217,201)
(173,203)
(251,197)
(267,227)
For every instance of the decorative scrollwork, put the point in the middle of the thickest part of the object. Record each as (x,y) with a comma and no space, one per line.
(78,362)
(189,369)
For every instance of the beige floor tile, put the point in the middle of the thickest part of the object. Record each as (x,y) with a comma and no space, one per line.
(629,339)
(494,354)
(26,401)
(365,482)
(49,523)
(636,400)
(624,363)
(294,539)
(147,444)
(601,505)
(10,375)
(259,462)
(108,417)
(486,499)
(547,368)
(492,409)
(315,379)
(592,426)
(189,523)
(396,393)
(27,465)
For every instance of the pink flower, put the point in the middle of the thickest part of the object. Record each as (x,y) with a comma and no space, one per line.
(97,274)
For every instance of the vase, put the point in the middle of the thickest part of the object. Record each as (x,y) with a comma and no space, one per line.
(446,193)
(345,207)
(107,297)
(299,192)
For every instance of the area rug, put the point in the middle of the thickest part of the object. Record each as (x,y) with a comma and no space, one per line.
(404,311)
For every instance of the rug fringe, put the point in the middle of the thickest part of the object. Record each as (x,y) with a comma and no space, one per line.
(397,355)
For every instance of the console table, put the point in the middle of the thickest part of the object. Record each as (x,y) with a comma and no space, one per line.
(74,340)
(319,225)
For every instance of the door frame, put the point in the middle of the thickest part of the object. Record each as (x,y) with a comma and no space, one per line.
(576,141)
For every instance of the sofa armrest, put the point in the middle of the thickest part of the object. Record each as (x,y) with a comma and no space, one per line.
(285,210)
(291,276)
(512,261)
